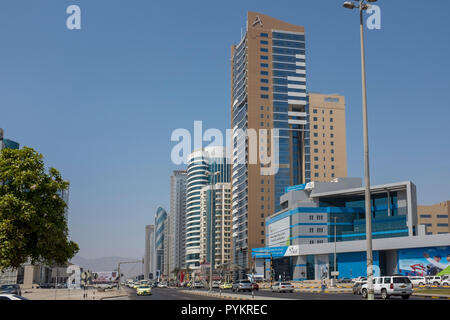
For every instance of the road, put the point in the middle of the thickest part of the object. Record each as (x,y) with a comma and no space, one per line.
(175,294)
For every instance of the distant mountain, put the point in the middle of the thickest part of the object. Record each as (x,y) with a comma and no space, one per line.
(109,264)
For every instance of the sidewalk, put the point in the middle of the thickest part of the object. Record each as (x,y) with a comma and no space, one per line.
(71,294)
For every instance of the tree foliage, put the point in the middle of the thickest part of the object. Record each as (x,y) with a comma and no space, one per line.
(33,222)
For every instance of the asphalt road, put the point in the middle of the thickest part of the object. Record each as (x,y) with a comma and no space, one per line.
(175,294)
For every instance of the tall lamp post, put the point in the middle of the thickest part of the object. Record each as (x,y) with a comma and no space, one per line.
(212,174)
(363,5)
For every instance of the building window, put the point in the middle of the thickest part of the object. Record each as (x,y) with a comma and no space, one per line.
(264,65)
(442,224)
(264,42)
(425,216)
(264,58)
(316,175)
(315,111)
(311,230)
(264,88)
(331,119)
(264,35)
(264,96)
(442,216)
(264,73)
(331,128)
(264,50)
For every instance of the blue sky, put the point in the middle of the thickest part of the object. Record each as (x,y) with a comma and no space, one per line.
(101,103)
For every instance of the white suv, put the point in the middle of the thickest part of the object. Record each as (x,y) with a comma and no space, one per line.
(434,280)
(418,281)
(445,280)
(390,286)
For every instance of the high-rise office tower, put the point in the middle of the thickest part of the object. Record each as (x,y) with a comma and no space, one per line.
(328,137)
(177,220)
(268,92)
(149,257)
(6,143)
(215,210)
(160,241)
(201,162)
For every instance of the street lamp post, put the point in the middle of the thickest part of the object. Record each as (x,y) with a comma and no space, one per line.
(364,6)
(212,174)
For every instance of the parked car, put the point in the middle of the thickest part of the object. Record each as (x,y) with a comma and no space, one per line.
(344,280)
(357,287)
(11,297)
(417,281)
(226,285)
(241,285)
(445,280)
(433,280)
(198,285)
(10,289)
(359,279)
(216,284)
(282,287)
(390,286)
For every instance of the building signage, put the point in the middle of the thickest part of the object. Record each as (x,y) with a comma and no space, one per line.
(276,252)
(279,233)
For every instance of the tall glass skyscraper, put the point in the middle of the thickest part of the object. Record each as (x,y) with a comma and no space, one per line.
(268,92)
(160,240)
(200,162)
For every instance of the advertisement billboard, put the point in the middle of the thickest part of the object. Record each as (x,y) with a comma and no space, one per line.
(279,233)
(107,276)
(433,261)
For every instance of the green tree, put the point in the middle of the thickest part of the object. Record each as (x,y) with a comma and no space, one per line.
(33,223)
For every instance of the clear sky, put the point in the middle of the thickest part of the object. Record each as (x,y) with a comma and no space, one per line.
(101,102)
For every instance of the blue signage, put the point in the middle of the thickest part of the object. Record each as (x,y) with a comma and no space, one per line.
(274,252)
(295,188)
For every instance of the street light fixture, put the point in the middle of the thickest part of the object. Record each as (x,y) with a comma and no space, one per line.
(363,5)
(212,174)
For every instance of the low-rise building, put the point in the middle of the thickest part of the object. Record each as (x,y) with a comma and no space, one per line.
(435,218)
(320,219)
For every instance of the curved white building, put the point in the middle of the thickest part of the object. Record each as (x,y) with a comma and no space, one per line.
(200,162)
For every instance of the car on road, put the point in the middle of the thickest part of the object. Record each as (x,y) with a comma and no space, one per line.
(282,287)
(11,297)
(198,285)
(445,280)
(226,285)
(216,284)
(162,285)
(10,289)
(417,281)
(390,286)
(241,285)
(356,289)
(143,290)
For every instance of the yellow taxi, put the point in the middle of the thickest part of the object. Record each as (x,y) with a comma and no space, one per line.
(143,290)
(226,285)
